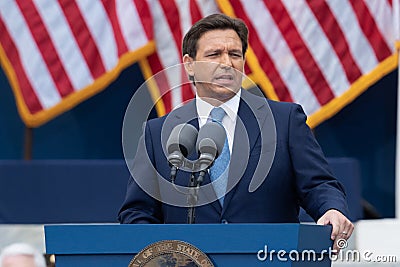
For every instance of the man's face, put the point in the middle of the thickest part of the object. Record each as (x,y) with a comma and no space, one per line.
(218,65)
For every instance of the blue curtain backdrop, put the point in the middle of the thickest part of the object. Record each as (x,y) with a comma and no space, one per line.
(365,130)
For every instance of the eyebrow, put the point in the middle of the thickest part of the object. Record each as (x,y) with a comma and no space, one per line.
(220,50)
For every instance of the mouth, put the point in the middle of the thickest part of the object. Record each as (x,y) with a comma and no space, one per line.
(224,79)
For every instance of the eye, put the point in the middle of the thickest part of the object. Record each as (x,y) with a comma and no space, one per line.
(213,54)
(236,55)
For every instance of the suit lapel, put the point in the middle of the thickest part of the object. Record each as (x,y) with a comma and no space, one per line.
(184,114)
(250,121)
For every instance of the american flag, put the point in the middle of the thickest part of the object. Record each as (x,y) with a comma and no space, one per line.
(172,19)
(321,54)
(58,53)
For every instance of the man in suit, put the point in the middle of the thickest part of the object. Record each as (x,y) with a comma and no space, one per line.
(275,165)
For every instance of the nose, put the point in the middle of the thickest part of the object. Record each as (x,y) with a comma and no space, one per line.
(226,61)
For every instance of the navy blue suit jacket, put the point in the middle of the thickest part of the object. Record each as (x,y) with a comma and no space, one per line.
(276,167)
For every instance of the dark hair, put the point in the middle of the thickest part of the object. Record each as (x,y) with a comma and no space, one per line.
(209,23)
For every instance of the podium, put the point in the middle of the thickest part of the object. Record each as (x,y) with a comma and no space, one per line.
(230,245)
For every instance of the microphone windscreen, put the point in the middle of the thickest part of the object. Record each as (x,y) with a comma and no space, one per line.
(182,138)
(211,137)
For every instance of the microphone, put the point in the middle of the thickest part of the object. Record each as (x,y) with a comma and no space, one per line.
(210,142)
(180,144)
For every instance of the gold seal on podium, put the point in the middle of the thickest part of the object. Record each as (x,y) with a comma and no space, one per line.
(171,253)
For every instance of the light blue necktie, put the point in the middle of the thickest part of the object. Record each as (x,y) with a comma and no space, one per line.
(220,169)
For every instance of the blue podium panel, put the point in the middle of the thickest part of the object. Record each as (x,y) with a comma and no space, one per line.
(225,244)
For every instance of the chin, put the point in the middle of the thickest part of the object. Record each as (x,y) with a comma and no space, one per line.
(224,89)
(218,92)
(225,93)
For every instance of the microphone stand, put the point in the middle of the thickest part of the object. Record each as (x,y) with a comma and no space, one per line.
(205,160)
(192,198)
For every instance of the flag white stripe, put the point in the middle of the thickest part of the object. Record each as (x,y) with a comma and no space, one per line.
(382,13)
(280,53)
(318,45)
(100,27)
(184,15)
(31,58)
(186,22)
(131,26)
(64,43)
(396,23)
(207,7)
(359,46)
(167,51)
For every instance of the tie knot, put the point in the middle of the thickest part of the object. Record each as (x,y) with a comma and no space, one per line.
(217,114)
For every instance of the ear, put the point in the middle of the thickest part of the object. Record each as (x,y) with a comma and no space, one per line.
(188,63)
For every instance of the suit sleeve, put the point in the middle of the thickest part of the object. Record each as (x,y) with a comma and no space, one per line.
(139,205)
(317,187)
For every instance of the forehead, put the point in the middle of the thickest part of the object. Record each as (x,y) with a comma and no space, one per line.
(219,38)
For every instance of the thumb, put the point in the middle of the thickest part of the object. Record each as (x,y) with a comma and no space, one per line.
(322,221)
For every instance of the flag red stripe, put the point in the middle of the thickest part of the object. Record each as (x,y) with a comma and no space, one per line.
(186,88)
(390,3)
(370,29)
(195,15)
(110,8)
(46,47)
(145,16)
(300,51)
(25,87)
(83,37)
(263,57)
(172,15)
(195,11)
(162,81)
(173,19)
(336,37)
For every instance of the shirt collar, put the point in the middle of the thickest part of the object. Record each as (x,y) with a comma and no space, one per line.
(231,107)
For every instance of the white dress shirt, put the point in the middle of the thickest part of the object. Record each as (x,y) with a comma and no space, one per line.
(231,108)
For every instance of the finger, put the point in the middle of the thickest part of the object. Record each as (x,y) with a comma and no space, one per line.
(348,230)
(339,243)
(343,235)
(335,230)
(322,221)
(335,246)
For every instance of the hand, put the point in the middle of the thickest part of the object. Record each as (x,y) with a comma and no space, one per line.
(342,228)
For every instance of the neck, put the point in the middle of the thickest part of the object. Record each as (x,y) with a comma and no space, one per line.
(212,101)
